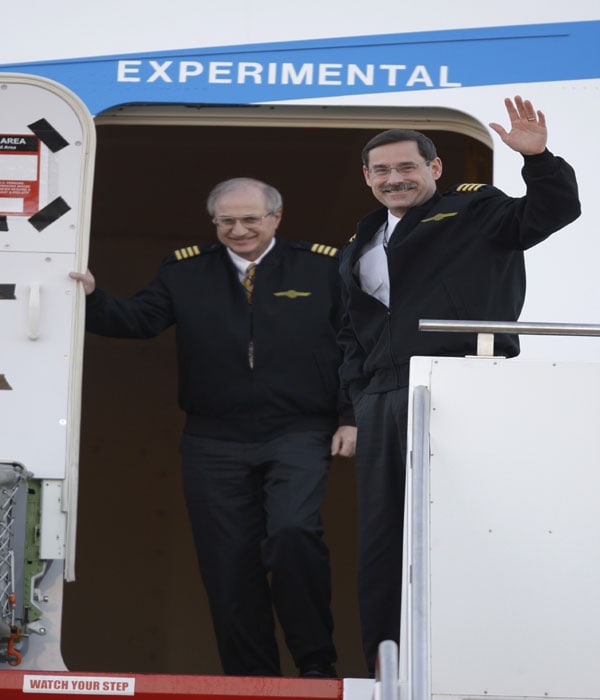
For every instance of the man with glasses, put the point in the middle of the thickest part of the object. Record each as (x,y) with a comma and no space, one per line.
(426,255)
(257,319)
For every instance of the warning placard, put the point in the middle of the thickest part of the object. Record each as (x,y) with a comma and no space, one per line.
(19,174)
(78,685)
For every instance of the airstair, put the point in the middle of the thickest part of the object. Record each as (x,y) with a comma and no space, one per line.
(501,565)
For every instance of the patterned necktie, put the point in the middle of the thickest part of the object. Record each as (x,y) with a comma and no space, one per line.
(248,281)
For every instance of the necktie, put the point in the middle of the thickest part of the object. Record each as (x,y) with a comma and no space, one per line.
(248,281)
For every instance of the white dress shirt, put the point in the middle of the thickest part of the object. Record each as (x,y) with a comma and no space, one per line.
(241,264)
(372,266)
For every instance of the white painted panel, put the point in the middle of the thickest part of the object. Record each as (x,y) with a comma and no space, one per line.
(60,30)
(514,528)
(61,171)
(41,308)
(35,408)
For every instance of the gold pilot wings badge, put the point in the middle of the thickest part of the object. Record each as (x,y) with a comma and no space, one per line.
(291,294)
(439,216)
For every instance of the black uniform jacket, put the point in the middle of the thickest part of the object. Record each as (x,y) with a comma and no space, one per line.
(459,256)
(293,321)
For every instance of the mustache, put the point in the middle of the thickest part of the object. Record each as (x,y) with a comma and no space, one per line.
(401,187)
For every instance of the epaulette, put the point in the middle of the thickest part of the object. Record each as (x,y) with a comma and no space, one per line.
(191,251)
(470,187)
(352,238)
(323,249)
(319,248)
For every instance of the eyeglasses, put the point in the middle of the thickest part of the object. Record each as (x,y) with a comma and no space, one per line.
(247,221)
(402,169)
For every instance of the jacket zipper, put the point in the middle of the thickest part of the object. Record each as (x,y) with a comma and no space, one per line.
(251,340)
(389,320)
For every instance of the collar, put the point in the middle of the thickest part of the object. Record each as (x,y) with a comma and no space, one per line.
(372,222)
(391,222)
(241,264)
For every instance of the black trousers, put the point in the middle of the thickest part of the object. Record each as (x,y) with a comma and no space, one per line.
(380,469)
(254,509)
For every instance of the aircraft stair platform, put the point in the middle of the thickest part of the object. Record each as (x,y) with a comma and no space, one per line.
(17,683)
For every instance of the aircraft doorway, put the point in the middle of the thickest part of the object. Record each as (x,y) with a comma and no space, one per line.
(138,604)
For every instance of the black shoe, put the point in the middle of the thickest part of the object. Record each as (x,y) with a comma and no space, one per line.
(318,669)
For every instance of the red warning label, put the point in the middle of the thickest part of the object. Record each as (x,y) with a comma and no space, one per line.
(19,174)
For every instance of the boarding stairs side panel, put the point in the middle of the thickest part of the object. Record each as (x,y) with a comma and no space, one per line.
(501,560)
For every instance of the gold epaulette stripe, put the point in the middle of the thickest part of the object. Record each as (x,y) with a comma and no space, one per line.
(352,237)
(188,252)
(323,249)
(470,186)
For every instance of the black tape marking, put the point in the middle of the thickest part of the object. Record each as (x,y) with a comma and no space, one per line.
(49,214)
(4,385)
(3,223)
(7,291)
(48,135)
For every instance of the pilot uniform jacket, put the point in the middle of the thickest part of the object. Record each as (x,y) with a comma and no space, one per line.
(293,321)
(458,256)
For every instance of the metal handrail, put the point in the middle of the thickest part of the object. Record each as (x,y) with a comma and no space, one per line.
(386,671)
(486,329)
(419,588)
(521,327)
